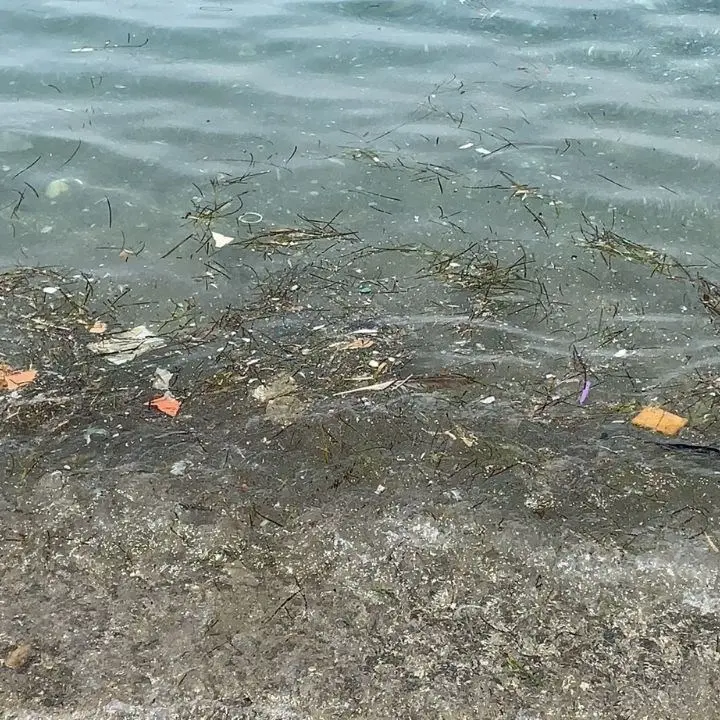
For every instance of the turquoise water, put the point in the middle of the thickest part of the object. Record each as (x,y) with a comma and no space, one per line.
(409,121)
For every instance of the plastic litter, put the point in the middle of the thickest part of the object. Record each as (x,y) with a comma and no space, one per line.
(125,346)
(659,420)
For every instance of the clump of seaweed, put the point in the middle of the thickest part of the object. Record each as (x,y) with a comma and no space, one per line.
(610,244)
(709,294)
(368,155)
(491,280)
(272,239)
(44,302)
(696,395)
(220,201)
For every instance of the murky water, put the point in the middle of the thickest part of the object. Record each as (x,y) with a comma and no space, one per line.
(429,125)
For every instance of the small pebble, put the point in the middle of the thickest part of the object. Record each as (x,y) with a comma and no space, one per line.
(19,657)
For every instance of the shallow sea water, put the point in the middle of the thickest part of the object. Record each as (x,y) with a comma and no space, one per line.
(420,126)
(447,464)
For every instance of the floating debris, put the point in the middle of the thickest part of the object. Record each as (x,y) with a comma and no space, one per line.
(56,188)
(250,218)
(127,345)
(221,240)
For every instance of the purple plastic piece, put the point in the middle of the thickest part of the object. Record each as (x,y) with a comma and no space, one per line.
(585,392)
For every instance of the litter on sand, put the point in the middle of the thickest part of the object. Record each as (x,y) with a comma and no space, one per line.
(97,328)
(659,420)
(166,404)
(14,379)
(584,393)
(161,379)
(125,346)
